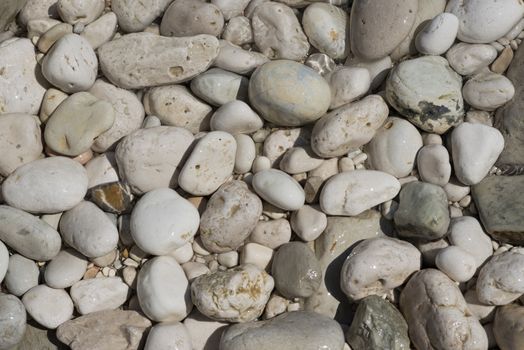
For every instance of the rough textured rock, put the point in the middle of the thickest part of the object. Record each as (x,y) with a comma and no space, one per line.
(37,337)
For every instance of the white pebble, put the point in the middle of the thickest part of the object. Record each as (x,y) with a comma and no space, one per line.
(438,35)
(47,306)
(279,189)
(256,254)
(457,263)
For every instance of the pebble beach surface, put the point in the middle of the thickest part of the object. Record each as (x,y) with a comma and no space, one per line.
(261,175)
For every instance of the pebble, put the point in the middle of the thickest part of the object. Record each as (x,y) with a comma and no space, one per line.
(475,149)
(466,233)
(98,294)
(238,31)
(231,214)
(113,197)
(77,122)
(348,84)
(438,35)
(415,88)
(52,98)
(423,212)
(394,147)
(52,35)
(185,18)
(279,189)
(326,28)
(301,329)
(168,335)
(105,260)
(351,193)
(482,311)
(217,86)
(277,32)
(377,265)
(47,306)
(467,59)
(164,64)
(22,275)
(28,235)
(20,140)
(508,325)
(13,323)
(65,269)
(256,254)
(488,91)
(101,30)
(378,69)
(35,9)
(298,160)
(378,27)
(498,18)
(348,127)
(433,164)
(87,229)
(163,221)
(272,233)
(279,141)
(237,60)
(146,166)
(194,269)
(155,278)
(457,263)
(501,64)
(296,270)
(4,260)
(288,93)
(209,165)
(321,63)
(245,155)
(308,223)
(84,12)
(236,117)
(137,16)
(236,295)
(203,331)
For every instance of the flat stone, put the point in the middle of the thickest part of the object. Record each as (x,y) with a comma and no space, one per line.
(98,294)
(105,330)
(13,322)
(500,206)
(377,325)
(303,330)
(135,16)
(125,63)
(112,197)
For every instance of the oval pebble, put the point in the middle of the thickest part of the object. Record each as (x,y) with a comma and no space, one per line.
(279,189)
(13,322)
(47,306)
(433,164)
(236,117)
(4,260)
(457,263)
(188,17)
(465,232)
(217,86)
(488,91)
(66,268)
(438,35)
(467,59)
(22,275)
(168,335)
(98,294)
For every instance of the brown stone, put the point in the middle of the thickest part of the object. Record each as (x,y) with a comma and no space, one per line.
(503,61)
(113,197)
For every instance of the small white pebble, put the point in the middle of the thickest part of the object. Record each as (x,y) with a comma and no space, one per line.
(198,247)
(514,45)
(346,164)
(105,271)
(464,202)
(213,265)
(256,254)
(360,158)
(112,273)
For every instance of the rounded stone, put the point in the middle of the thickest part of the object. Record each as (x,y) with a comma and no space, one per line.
(188,17)
(66,268)
(135,16)
(465,232)
(246,153)
(47,306)
(438,35)
(83,12)
(289,93)
(236,117)
(98,294)
(279,189)
(308,223)
(348,84)
(457,263)
(508,326)
(467,59)
(13,322)
(168,335)
(218,87)
(433,164)
(488,91)
(22,275)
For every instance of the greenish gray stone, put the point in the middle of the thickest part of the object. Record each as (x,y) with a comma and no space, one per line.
(299,330)
(296,270)
(8,11)
(500,203)
(423,212)
(37,337)
(377,325)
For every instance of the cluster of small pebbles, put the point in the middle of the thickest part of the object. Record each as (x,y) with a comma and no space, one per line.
(256,174)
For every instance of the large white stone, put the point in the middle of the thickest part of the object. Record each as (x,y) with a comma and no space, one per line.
(457,263)
(438,35)
(97,294)
(465,232)
(279,189)
(47,306)
(488,91)
(467,59)
(433,164)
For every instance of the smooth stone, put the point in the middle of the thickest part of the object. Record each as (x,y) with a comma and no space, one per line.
(218,87)
(20,87)
(467,59)
(500,281)
(231,214)
(8,11)
(101,30)
(423,212)
(279,141)
(65,269)
(348,127)
(87,229)
(47,39)
(20,141)
(321,63)
(102,169)
(457,263)
(465,232)
(292,330)
(136,16)
(163,290)
(128,110)
(187,17)
(209,165)
(501,64)
(245,155)
(47,306)
(277,32)
(124,63)
(482,311)
(35,9)
(475,149)
(163,221)
(394,147)
(28,235)
(98,294)
(433,164)
(71,64)
(296,270)
(4,260)
(498,17)
(430,249)
(22,275)
(438,35)
(175,105)
(508,326)
(38,26)
(113,197)
(83,12)
(279,189)
(488,91)
(256,254)
(351,193)
(378,27)
(272,233)
(326,28)
(77,122)
(378,69)
(235,295)
(288,93)
(348,84)
(144,165)
(13,322)
(237,60)
(195,269)
(205,333)
(308,223)
(377,325)
(455,190)
(236,117)
(168,335)
(231,8)
(238,31)
(437,314)
(415,88)
(52,99)
(105,330)
(298,160)
(376,266)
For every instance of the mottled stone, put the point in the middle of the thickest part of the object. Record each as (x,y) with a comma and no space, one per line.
(112,197)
